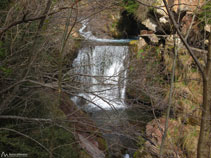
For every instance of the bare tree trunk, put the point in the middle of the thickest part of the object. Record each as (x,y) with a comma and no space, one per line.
(204,143)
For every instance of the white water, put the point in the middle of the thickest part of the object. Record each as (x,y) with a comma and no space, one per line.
(103,75)
(101,72)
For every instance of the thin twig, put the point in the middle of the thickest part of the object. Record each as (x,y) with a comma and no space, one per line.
(24,135)
(170,98)
(2,30)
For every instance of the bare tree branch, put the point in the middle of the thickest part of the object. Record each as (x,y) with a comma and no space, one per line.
(201,69)
(24,135)
(2,30)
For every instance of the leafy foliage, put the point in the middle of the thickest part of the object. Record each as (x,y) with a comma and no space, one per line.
(139,53)
(205,14)
(130,6)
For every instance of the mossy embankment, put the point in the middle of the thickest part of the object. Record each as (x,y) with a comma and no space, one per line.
(152,66)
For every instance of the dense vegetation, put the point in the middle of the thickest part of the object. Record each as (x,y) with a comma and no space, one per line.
(28,58)
(38,43)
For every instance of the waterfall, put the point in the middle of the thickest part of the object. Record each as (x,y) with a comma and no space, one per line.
(101,71)
(102,75)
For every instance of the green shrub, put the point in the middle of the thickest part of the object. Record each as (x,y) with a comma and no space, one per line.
(205,14)
(4,4)
(130,6)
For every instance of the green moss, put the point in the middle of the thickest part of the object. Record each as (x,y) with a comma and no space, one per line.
(133,42)
(102,143)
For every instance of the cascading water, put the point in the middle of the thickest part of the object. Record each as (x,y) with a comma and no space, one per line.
(102,72)
(103,75)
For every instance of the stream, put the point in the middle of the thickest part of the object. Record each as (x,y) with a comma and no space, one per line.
(101,70)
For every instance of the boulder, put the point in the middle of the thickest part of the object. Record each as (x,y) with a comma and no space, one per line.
(150,24)
(163,20)
(153,38)
(141,43)
(185,4)
(207,28)
(181,140)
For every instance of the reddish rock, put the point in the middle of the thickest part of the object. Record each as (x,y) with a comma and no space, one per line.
(154,133)
(146,32)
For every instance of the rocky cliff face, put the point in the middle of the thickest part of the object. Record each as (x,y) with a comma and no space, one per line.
(185,5)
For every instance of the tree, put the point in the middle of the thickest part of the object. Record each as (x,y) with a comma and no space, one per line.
(204,144)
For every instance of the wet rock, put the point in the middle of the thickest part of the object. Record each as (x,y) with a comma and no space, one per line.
(144,72)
